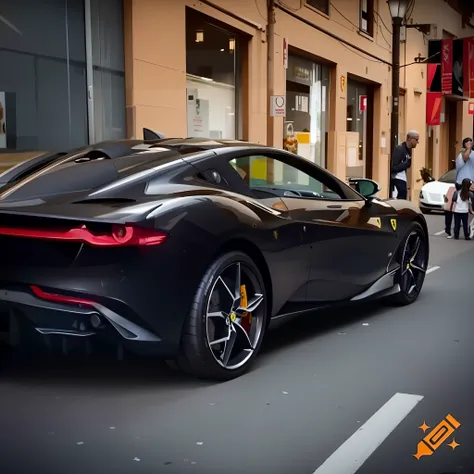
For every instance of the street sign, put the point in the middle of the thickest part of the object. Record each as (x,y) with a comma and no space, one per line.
(278,106)
(471,108)
(362,103)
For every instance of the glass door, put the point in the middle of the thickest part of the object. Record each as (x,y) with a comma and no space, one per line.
(307,88)
(356,145)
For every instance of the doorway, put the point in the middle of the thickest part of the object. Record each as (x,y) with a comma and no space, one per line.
(360,114)
(452,145)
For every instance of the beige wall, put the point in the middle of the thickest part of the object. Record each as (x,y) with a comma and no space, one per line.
(156,69)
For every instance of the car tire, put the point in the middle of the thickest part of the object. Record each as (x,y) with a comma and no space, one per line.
(411,280)
(197,355)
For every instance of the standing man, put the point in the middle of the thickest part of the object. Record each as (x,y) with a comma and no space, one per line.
(465,163)
(401,161)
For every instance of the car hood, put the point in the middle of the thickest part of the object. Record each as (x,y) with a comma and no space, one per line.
(436,187)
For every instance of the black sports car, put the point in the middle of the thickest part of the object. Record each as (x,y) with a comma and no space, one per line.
(189,248)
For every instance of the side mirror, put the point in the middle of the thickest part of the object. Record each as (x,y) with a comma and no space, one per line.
(367,187)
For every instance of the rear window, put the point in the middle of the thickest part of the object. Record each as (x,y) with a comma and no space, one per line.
(449,177)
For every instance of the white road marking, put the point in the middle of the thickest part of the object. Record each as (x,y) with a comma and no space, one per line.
(432,269)
(350,456)
(441,232)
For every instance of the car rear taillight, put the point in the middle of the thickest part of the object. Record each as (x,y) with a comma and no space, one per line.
(120,235)
(56,298)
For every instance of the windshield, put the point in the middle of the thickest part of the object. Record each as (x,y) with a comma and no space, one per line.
(449,177)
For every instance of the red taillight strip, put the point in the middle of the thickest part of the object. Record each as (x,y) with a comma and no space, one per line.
(134,236)
(59,298)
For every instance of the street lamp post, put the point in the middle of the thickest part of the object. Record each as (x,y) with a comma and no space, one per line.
(398,10)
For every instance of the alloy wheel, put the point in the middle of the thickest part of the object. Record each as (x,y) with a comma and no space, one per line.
(234,316)
(413,264)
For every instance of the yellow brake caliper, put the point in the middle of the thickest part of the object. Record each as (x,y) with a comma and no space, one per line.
(246,317)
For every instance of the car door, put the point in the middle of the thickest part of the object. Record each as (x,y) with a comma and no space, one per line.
(282,240)
(349,241)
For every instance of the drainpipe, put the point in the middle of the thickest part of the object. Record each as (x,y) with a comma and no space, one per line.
(270,66)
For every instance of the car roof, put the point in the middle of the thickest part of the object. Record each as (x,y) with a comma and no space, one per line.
(195,143)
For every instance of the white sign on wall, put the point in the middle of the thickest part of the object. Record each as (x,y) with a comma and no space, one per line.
(278,106)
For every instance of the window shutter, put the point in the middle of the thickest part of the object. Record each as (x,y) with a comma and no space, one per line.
(321,5)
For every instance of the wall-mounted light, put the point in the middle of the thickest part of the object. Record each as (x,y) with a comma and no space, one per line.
(199,36)
(232,45)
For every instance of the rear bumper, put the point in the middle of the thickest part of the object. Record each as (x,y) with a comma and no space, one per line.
(29,319)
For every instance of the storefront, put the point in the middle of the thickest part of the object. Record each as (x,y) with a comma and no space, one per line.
(213,78)
(62,79)
(307,114)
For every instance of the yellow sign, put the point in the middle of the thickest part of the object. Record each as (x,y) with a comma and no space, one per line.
(343,83)
(378,222)
(394,224)
(437,436)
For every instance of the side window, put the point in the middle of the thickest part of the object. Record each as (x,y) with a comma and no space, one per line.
(271,177)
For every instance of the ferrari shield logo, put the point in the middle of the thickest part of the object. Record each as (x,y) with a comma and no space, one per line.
(393,222)
(275,235)
(378,222)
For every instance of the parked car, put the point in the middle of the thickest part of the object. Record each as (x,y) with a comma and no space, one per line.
(432,193)
(189,249)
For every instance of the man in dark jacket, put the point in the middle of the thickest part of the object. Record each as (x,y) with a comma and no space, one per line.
(401,161)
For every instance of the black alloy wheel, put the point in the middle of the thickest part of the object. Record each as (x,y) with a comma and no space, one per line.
(227,322)
(413,266)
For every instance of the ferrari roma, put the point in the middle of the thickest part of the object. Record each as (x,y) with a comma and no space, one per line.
(188,249)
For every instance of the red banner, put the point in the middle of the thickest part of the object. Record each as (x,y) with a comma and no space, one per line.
(431,74)
(433,108)
(447,66)
(470,109)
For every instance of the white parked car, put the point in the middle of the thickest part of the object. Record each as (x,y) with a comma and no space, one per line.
(432,193)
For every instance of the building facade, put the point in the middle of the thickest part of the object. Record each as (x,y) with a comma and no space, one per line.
(107,70)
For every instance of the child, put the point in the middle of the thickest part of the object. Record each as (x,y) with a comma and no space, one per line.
(461,205)
(448,213)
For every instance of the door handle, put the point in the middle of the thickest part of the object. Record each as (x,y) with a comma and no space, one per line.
(335,206)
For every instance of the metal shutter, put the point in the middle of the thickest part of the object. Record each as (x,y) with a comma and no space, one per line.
(321,5)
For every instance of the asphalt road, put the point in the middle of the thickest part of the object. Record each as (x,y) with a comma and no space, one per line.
(322,394)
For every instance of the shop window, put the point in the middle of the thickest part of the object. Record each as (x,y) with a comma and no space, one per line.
(307,115)
(213,78)
(320,5)
(61,88)
(367,16)
(43,75)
